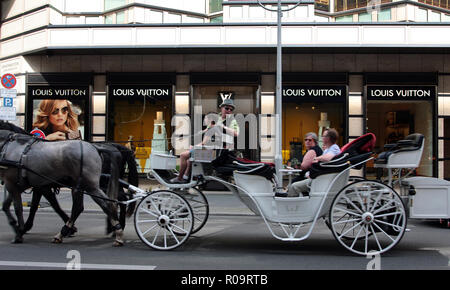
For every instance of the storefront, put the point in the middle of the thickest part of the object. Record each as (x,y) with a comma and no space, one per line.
(140,112)
(62,97)
(208,91)
(402,104)
(311,103)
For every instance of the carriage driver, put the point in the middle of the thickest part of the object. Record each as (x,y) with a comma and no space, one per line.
(215,127)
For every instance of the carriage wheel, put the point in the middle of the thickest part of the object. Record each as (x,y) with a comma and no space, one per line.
(200,207)
(159,215)
(367,217)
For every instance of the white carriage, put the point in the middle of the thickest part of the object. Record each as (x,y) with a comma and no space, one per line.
(364,216)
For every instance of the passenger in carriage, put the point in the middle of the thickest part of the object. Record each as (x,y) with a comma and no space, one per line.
(331,149)
(215,127)
(312,151)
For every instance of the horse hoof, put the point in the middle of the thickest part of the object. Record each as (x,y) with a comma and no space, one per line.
(17,240)
(72,232)
(118,243)
(57,240)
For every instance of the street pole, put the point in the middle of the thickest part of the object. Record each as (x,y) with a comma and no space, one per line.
(278,95)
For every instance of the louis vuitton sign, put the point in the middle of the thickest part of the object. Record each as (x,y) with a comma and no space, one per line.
(401,92)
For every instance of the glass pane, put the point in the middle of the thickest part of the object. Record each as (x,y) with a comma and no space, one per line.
(109,19)
(365,17)
(384,15)
(111,4)
(120,17)
(215,6)
(346,18)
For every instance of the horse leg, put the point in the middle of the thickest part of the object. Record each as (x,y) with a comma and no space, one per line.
(6,208)
(36,198)
(50,196)
(111,211)
(18,208)
(77,209)
(122,213)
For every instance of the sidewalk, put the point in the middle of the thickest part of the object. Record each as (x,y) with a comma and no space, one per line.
(220,202)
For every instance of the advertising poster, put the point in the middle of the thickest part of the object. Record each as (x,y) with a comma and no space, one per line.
(58,113)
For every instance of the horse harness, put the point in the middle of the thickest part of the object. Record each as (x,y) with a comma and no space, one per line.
(22,176)
(20,164)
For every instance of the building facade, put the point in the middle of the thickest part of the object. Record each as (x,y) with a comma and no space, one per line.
(130,65)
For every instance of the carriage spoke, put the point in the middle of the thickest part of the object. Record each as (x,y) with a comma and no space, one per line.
(384,232)
(358,194)
(376,201)
(376,238)
(154,205)
(175,213)
(149,229)
(156,236)
(150,212)
(366,241)
(396,227)
(179,228)
(147,221)
(347,211)
(356,238)
(388,214)
(346,221)
(384,207)
(173,235)
(352,204)
(343,234)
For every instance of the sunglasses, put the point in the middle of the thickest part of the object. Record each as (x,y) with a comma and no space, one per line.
(308,140)
(231,109)
(63,110)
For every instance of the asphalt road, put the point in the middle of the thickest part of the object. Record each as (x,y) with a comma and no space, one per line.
(236,241)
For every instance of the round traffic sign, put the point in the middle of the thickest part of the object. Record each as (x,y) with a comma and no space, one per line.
(38,133)
(9,81)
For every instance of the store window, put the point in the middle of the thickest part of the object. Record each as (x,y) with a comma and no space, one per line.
(207,98)
(59,108)
(141,115)
(394,112)
(310,108)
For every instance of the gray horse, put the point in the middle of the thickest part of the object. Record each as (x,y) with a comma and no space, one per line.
(27,161)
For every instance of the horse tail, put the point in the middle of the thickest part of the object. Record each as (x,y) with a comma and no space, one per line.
(133,176)
(112,190)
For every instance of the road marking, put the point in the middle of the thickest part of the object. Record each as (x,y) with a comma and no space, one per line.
(82,266)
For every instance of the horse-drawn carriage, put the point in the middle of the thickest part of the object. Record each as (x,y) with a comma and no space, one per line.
(364,216)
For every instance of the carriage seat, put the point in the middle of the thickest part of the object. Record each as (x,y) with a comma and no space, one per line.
(352,153)
(406,152)
(226,163)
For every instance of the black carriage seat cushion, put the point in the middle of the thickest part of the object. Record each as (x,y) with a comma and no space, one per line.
(224,164)
(352,153)
(412,142)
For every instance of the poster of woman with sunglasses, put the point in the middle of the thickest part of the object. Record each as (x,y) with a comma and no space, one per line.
(57,119)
